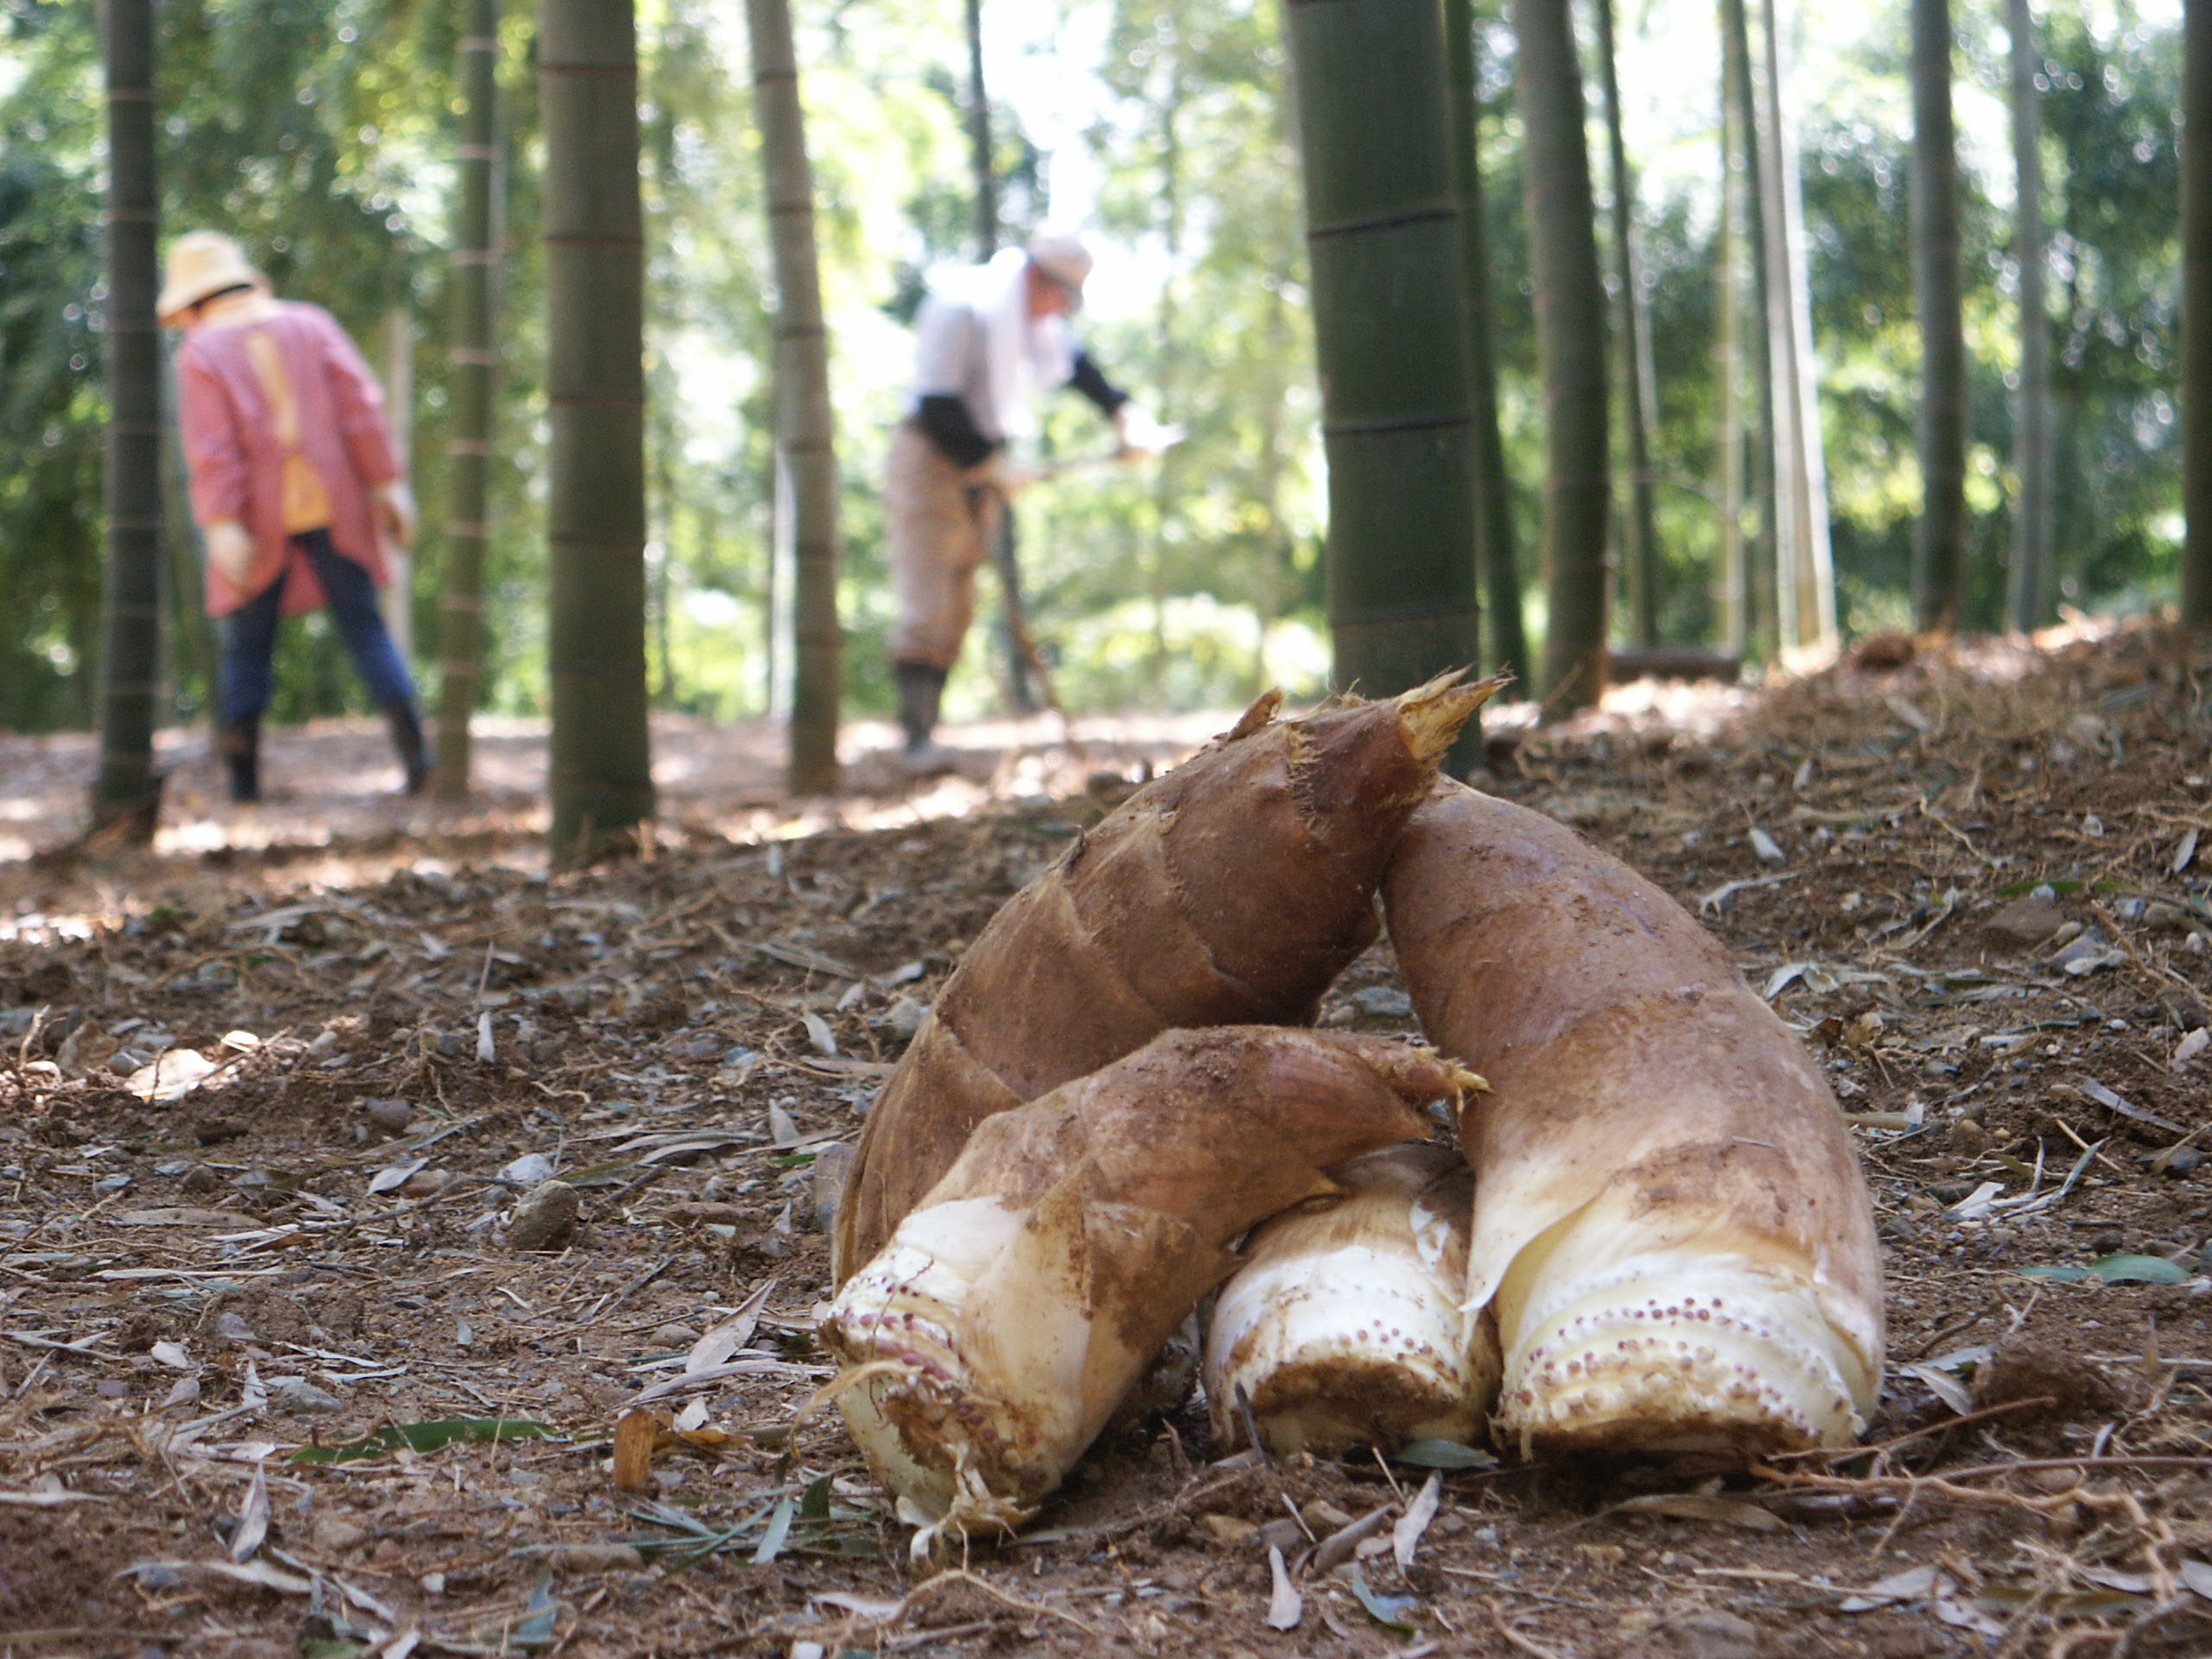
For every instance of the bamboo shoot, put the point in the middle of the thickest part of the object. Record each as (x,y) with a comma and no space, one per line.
(988,1342)
(1669,1220)
(1344,1327)
(1229,891)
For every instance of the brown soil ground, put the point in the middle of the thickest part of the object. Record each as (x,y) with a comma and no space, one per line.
(311,1245)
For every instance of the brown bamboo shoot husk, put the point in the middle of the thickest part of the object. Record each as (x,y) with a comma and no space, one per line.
(1230,891)
(1669,1224)
(1344,1328)
(1013,1307)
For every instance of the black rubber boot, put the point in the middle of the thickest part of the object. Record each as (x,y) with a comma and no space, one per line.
(407,741)
(240,744)
(921,688)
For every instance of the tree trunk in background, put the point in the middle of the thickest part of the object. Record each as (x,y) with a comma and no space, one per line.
(1167,480)
(1021,691)
(601,748)
(1383,234)
(126,793)
(1571,350)
(1732,592)
(1761,558)
(468,448)
(805,429)
(397,601)
(2031,573)
(1807,605)
(1497,552)
(2196,312)
(1640,544)
(664,435)
(980,157)
(1940,543)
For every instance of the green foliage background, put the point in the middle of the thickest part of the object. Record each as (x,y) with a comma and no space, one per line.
(323,135)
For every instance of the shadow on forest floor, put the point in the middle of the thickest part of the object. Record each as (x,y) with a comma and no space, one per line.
(309,1245)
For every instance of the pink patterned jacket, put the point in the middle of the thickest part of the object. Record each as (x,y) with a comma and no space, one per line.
(247,410)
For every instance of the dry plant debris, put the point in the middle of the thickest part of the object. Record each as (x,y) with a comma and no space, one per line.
(276,1378)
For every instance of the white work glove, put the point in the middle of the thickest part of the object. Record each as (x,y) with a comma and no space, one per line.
(1138,434)
(1000,472)
(230,550)
(394,504)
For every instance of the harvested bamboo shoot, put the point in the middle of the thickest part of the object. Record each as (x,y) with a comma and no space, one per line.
(1230,891)
(1669,1221)
(991,1338)
(1344,1327)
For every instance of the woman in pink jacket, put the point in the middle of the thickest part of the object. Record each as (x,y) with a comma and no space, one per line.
(293,475)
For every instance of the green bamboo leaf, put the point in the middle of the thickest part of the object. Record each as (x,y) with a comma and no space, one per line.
(1392,1612)
(536,1630)
(425,1437)
(1442,1455)
(2140,1269)
(779,1527)
(603,1174)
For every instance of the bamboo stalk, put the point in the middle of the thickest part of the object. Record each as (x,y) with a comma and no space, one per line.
(1496,544)
(1939,541)
(126,792)
(1571,348)
(805,427)
(468,449)
(1640,521)
(1383,234)
(2031,573)
(601,752)
(2197,311)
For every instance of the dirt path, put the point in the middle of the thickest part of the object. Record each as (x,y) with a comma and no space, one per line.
(330,784)
(312,1246)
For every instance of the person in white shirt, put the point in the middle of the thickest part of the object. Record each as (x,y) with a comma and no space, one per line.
(988,339)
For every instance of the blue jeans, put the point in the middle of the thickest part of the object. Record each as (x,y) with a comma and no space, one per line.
(250,635)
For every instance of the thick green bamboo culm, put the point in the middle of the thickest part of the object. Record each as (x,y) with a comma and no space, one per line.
(126,792)
(2196,312)
(468,451)
(1940,539)
(805,425)
(1383,234)
(1497,545)
(1571,353)
(601,751)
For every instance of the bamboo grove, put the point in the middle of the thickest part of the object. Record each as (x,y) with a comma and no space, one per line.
(1790,327)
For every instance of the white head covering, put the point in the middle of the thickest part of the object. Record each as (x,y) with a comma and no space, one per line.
(1062,256)
(1023,354)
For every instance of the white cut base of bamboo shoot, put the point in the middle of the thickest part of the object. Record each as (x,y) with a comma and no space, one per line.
(933,1432)
(1681,1348)
(1339,1342)
(1677,1350)
(1337,1350)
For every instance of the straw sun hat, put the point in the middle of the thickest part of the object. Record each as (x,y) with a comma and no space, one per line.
(202,263)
